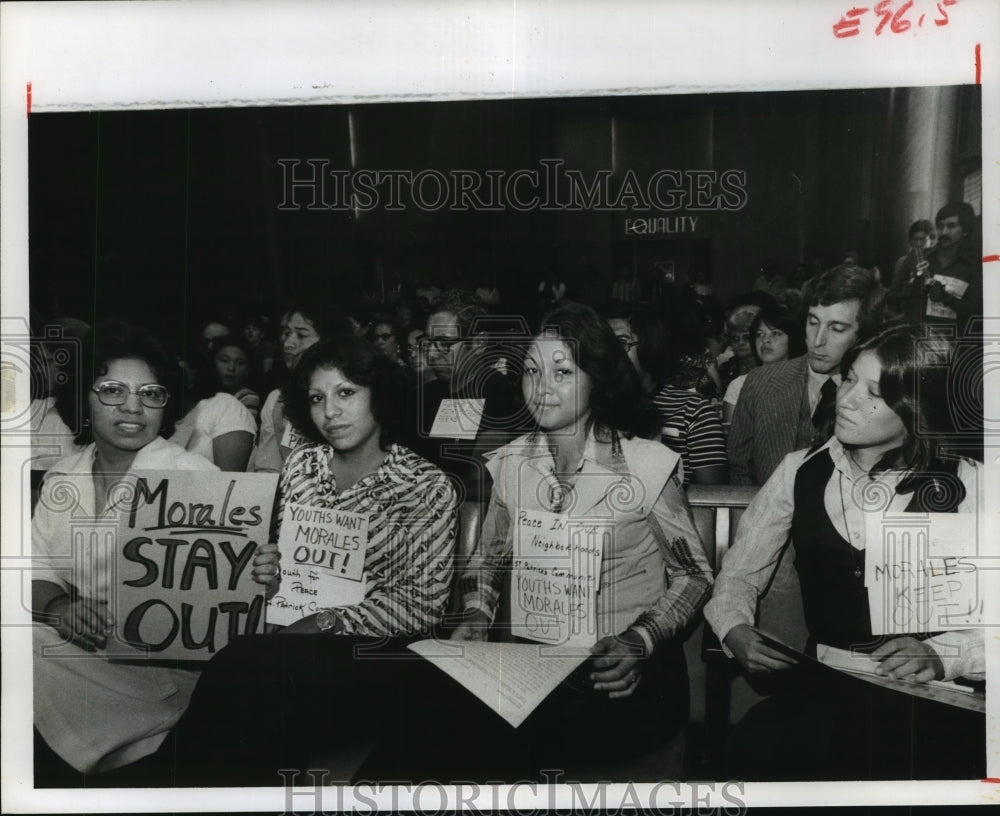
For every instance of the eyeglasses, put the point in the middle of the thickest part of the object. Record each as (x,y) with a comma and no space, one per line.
(112,392)
(442,342)
(627,342)
(740,338)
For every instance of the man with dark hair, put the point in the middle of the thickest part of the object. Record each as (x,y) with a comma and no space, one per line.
(788,405)
(944,287)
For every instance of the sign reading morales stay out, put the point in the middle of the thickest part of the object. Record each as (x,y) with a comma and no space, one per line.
(186,543)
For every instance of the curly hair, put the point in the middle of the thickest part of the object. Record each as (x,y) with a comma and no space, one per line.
(360,363)
(914,382)
(617,400)
(110,341)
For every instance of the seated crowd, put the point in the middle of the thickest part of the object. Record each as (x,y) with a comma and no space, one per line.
(444,420)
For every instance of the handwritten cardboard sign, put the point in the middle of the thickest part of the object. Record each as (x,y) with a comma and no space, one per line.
(184,583)
(919,573)
(458,418)
(322,561)
(554,580)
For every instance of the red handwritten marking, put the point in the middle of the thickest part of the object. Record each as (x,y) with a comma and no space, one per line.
(29,100)
(991,780)
(991,258)
(979,63)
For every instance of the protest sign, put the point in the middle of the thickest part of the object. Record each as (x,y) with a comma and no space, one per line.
(183,577)
(322,561)
(554,580)
(458,419)
(919,572)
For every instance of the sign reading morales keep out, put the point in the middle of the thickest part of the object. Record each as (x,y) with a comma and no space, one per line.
(184,583)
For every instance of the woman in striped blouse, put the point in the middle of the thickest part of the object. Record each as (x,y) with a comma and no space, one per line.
(344,398)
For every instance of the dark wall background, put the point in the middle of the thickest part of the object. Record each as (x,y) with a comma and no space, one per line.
(159,215)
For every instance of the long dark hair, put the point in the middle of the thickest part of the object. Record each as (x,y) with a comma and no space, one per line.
(617,400)
(916,383)
(117,340)
(362,365)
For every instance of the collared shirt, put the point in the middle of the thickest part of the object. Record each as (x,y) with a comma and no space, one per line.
(814,385)
(654,573)
(764,528)
(69,500)
(413,512)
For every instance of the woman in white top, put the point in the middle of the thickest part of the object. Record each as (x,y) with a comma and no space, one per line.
(93,714)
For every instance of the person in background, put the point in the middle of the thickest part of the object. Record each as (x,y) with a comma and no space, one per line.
(386,334)
(894,387)
(689,423)
(786,406)
(302,326)
(232,361)
(261,348)
(945,286)
(218,426)
(93,715)
(416,355)
(775,335)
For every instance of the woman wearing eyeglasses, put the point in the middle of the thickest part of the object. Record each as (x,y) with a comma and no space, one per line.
(92,714)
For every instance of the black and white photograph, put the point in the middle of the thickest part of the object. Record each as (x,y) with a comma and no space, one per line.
(398,444)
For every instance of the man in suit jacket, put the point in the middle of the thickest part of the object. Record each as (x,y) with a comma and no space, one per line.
(780,411)
(777,409)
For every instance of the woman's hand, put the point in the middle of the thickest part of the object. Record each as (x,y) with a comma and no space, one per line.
(267,568)
(617,660)
(907,658)
(83,622)
(304,626)
(753,654)
(475,627)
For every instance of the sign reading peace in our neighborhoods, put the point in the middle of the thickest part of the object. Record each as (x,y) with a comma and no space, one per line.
(554,579)
(184,583)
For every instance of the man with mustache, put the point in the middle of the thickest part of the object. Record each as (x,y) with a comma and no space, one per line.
(946,287)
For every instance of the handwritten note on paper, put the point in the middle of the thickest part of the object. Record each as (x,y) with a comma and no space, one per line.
(184,582)
(458,419)
(919,573)
(511,678)
(885,18)
(322,561)
(554,578)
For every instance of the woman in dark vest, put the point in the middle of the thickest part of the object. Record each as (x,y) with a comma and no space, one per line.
(885,460)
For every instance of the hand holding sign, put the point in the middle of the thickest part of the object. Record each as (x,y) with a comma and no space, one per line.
(324,551)
(185,583)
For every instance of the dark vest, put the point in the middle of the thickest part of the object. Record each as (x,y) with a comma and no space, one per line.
(831,571)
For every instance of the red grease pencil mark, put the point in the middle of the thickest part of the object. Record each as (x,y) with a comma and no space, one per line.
(979,64)
(29,100)
(990,258)
(991,780)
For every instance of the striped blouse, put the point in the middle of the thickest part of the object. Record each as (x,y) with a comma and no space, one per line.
(413,512)
(692,427)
